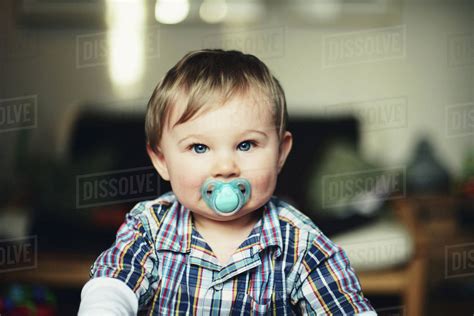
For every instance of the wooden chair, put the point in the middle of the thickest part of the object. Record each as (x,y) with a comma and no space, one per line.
(409,280)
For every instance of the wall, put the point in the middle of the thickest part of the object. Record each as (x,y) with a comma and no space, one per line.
(417,83)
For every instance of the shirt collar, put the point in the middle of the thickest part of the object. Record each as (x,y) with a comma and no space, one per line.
(175,233)
(270,234)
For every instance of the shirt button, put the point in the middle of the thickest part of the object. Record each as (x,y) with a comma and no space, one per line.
(218,286)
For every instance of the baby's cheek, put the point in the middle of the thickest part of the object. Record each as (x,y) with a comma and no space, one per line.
(191,183)
(187,181)
(263,182)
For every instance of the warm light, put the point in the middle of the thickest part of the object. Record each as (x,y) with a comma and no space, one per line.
(125,19)
(327,10)
(245,11)
(171,11)
(322,10)
(126,56)
(213,11)
(124,13)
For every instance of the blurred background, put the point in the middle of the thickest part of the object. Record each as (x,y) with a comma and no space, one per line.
(381,105)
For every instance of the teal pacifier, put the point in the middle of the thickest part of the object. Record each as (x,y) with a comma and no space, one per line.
(226,198)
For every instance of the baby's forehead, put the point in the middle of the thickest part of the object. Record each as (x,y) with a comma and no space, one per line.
(238,112)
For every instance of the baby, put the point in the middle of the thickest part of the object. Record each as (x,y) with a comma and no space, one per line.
(220,243)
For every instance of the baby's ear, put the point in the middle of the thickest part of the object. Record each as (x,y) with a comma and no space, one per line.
(158,160)
(286,144)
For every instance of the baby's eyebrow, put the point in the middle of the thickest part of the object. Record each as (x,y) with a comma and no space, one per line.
(254,131)
(242,134)
(191,136)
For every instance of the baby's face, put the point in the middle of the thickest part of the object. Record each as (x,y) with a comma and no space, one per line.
(236,140)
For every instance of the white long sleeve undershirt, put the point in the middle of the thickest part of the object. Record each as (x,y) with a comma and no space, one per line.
(107,296)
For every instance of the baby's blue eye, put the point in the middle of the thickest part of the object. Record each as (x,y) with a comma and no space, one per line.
(199,148)
(245,146)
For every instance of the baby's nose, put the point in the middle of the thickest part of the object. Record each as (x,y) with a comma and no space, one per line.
(225,166)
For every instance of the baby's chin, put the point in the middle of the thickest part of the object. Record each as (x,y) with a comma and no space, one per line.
(204,211)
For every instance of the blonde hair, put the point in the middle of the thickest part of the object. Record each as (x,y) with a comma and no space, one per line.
(211,77)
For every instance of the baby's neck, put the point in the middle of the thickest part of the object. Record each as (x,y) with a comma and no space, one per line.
(224,237)
(232,227)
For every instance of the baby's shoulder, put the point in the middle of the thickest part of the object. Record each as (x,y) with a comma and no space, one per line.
(299,231)
(151,213)
(289,215)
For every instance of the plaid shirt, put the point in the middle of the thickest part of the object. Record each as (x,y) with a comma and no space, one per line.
(285,266)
